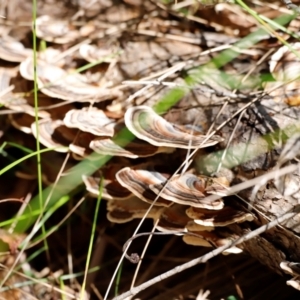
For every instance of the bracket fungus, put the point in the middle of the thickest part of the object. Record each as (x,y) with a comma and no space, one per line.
(173,218)
(90,120)
(120,211)
(92,53)
(138,179)
(12,50)
(187,189)
(147,125)
(223,217)
(134,149)
(212,239)
(56,82)
(55,30)
(54,134)
(292,268)
(111,189)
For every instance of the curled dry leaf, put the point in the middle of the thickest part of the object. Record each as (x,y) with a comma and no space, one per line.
(55,30)
(54,134)
(138,179)
(223,217)
(187,189)
(134,149)
(285,67)
(120,211)
(12,50)
(91,120)
(145,124)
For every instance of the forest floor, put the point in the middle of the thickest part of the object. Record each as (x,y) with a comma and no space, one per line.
(207,66)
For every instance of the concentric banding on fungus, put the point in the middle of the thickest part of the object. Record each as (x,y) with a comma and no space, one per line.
(134,149)
(145,124)
(90,120)
(17,103)
(187,189)
(55,82)
(55,30)
(138,179)
(54,134)
(120,211)
(12,50)
(223,217)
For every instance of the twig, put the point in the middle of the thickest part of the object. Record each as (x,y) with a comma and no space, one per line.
(213,253)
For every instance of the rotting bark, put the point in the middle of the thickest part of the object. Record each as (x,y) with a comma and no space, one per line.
(264,128)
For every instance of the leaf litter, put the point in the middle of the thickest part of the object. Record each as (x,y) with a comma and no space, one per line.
(108,63)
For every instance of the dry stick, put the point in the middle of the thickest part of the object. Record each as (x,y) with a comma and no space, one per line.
(158,258)
(142,255)
(50,286)
(147,212)
(21,210)
(213,253)
(163,75)
(242,113)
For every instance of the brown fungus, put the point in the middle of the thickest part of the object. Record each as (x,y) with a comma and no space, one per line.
(54,134)
(12,50)
(120,211)
(223,217)
(211,239)
(147,125)
(90,120)
(173,218)
(135,149)
(55,30)
(138,179)
(55,82)
(187,189)
(92,53)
